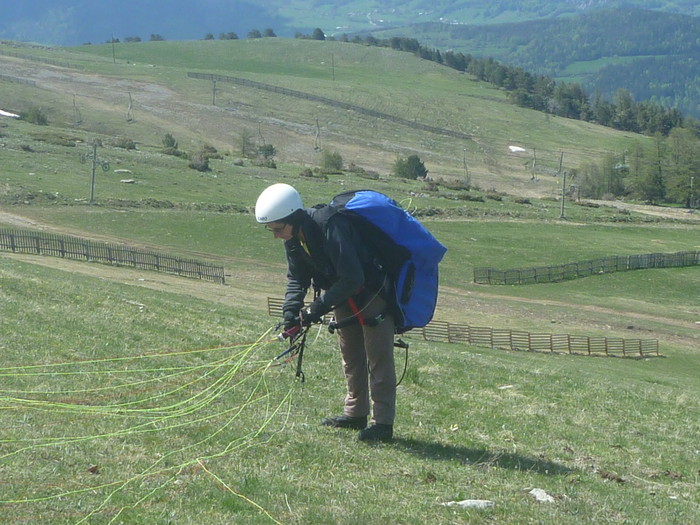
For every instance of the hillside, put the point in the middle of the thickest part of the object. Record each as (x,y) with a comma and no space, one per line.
(164,99)
(652,55)
(647,48)
(74,22)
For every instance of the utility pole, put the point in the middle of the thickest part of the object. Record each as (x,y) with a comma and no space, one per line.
(563,186)
(129,110)
(95,163)
(92,177)
(692,194)
(77,117)
(467,178)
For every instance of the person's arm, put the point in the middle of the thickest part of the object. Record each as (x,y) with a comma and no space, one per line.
(298,283)
(342,248)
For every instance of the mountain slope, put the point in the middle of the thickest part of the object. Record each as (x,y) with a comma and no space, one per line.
(153,77)
(74,22)
(655,56)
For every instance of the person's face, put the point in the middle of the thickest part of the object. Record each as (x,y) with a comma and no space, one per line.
(280,230)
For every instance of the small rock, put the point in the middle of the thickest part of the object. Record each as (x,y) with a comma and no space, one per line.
(542,496)
(470,504)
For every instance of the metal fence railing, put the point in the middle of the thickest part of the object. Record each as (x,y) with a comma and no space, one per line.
(40,243)
(520,340)
(550,274)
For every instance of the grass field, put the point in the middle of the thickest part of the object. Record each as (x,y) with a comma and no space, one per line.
(377,79)
(135,397)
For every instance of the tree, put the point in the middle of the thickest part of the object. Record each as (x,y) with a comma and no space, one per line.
(318,34)
(267,151)
(625,117)
(683,164)
(246,144)
(269,33)
(652,187)
(410,168)
(254,33)
(155,37)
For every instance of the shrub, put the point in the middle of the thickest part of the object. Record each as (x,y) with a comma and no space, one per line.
(170,146)
(35,115)
(495,195)
(211,152)
(55,138)
(169,141)
(315,174)
(124,143)
(331,160)
(410,168)
(199,161)
(267,151)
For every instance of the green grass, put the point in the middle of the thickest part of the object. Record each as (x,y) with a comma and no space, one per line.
(568,425)
(126,396)
(378,79)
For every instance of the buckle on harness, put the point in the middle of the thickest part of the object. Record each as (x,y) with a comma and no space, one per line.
(373,321)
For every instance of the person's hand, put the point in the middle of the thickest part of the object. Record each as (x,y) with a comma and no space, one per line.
(312,314)
(291,319)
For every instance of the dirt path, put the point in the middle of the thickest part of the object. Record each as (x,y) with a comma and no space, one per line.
(656,211)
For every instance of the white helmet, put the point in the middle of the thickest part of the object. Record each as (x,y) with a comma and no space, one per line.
(277,202)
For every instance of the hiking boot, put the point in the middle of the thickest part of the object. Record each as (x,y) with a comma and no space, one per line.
(355,423)
(377,432)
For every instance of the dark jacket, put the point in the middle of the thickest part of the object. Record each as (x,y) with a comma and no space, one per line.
(340,264)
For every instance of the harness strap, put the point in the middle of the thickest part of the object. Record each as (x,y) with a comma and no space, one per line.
(356,317)
(356,312)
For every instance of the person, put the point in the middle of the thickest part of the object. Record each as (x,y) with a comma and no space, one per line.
(325,251)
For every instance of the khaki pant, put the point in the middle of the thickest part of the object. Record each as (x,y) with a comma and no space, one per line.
(368,363)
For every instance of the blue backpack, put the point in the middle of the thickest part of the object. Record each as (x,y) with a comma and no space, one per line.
(406,249)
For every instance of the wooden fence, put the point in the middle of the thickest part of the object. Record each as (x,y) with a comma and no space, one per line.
(550,274)
(40,243)
(521,340)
